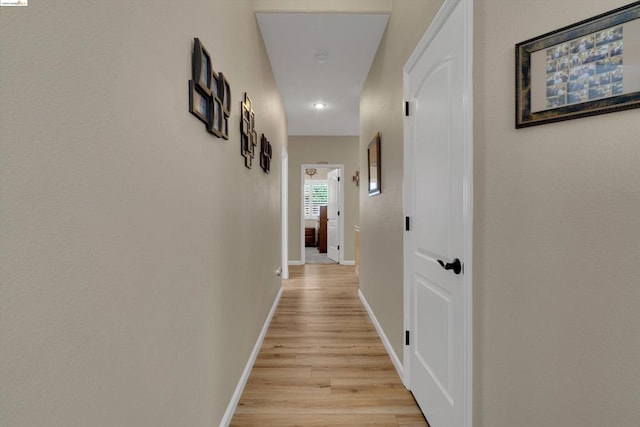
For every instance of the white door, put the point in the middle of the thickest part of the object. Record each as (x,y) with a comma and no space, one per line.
(333,210)
(438,203)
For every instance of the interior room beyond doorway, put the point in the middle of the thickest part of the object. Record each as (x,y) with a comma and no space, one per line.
(321,205)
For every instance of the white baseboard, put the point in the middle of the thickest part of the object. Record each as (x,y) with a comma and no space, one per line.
(387,345)
(231,408)
(296,263)
(348,262)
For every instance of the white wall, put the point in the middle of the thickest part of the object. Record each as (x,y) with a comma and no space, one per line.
(556,244)
(334,150)
(136,251)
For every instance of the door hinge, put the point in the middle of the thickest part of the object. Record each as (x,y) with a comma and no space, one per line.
(338,213)
(406,337)
(409,108)
(338,247)
(338,179)
(407,223)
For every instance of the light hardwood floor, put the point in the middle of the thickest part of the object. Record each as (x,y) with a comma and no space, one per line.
(322,363)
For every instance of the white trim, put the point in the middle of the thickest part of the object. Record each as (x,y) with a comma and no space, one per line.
(348,262)
(296,262)
(284,212)
(340,205)
(231,408)
(383,337)
(467,179)
(434,28)
(468,207)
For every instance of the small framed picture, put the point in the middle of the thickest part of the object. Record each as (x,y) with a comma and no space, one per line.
(224,126)
(215,83)
(225,94)
(227,97)
(201,66)
(581,70)
(374,155)
(215,127)
(265,154)
(200,103)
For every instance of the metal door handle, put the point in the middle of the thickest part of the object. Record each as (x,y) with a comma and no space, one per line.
(456,265)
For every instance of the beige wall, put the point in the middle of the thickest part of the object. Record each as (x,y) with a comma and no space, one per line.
(334,150)
(556,295)
(136,251)
(381,217)
(557,323)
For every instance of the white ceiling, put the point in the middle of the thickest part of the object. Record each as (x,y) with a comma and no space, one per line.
(350,41)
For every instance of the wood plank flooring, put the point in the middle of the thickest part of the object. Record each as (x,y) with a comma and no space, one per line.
(322,363)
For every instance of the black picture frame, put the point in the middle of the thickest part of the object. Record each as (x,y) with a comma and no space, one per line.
(215,126)
(266,154)
(216,87)
(224,95)
(224,126)
(200,103)
(215,84)
(374,167)
(579,70)
(201,66)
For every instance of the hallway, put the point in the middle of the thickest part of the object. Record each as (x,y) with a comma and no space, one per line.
(322,363)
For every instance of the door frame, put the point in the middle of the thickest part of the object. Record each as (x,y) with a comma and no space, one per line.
(467,183)
(284,212)
(340,206)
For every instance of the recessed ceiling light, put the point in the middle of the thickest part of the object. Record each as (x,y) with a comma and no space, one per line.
(319,105)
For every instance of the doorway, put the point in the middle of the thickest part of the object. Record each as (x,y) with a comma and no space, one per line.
(438,203)
(284,206)
(322,230)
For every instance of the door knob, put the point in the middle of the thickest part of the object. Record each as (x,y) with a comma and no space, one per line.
(456,265)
